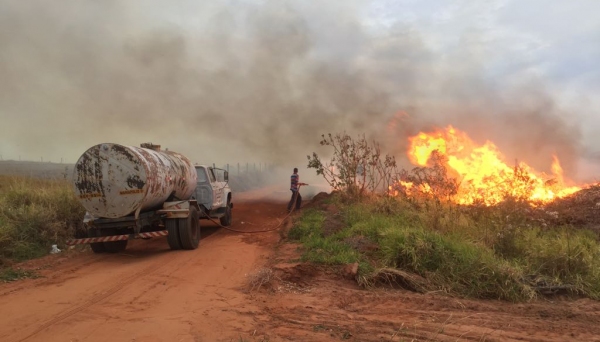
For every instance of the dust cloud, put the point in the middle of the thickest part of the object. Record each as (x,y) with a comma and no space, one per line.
(249,81)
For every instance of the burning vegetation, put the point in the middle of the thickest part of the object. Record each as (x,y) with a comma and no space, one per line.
(449,166)
(480,170)
(462,219)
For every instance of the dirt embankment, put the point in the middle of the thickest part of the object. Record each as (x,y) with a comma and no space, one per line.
(306,303)
(252,287)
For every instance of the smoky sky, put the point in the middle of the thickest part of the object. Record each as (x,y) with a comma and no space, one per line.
(254,81)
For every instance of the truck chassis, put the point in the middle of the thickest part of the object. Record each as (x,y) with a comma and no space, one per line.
(178,221)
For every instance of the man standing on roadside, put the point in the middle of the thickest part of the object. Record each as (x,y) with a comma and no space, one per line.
(295,187)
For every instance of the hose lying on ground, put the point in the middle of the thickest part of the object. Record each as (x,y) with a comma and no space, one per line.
(258,231)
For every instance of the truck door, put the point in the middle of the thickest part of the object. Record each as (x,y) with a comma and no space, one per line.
(204,190)
(216,189)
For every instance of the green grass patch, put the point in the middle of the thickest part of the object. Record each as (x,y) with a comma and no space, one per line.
(481,252)
(320,249)
(10,274)
(452,263)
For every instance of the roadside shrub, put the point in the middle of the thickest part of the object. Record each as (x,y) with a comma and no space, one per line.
(356,167)
(565,256)
(452,261)
(34,214)
(452,264)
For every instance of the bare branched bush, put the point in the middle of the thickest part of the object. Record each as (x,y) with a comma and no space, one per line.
(356,166)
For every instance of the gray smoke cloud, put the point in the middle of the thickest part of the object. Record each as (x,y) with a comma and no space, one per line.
(251,81)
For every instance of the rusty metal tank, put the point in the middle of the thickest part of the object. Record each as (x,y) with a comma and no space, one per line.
(113,180)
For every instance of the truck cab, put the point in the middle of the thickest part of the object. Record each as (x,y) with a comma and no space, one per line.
(213,193)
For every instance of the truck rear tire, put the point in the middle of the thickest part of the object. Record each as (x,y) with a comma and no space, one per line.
(115,246)
(97,247)
(172,226)
(226,219)
(189,230)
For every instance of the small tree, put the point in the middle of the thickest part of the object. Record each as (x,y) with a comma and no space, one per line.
(356,166)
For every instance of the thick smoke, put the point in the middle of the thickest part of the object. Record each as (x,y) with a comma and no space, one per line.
(248,82)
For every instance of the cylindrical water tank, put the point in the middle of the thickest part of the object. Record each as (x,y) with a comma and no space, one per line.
(113,181)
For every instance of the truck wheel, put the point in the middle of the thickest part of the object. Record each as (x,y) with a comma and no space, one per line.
(226,219)
(189,230)
(115,246)
(97,247)
(173,230)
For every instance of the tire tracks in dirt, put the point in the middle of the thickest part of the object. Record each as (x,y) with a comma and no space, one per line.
(120,285)
(95,299)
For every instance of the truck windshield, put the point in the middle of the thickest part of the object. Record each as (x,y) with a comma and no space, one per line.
(201,174)
(211,174)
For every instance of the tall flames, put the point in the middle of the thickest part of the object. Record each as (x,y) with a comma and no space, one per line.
(481,171)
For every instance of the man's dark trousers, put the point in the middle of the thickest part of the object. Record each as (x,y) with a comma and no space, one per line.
(297,198)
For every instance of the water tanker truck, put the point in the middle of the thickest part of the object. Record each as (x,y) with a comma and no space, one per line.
(132,192)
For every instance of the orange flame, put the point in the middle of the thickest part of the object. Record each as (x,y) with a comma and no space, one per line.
(482,172)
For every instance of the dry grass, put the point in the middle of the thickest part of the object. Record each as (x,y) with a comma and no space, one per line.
(261,278)
(397,278)
(35,214)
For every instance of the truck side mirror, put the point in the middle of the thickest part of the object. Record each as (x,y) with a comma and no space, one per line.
(226,176)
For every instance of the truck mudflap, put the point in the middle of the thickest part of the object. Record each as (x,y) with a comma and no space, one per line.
(147,235)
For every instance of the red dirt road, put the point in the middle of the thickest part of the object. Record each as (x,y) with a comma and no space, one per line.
(149,293)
